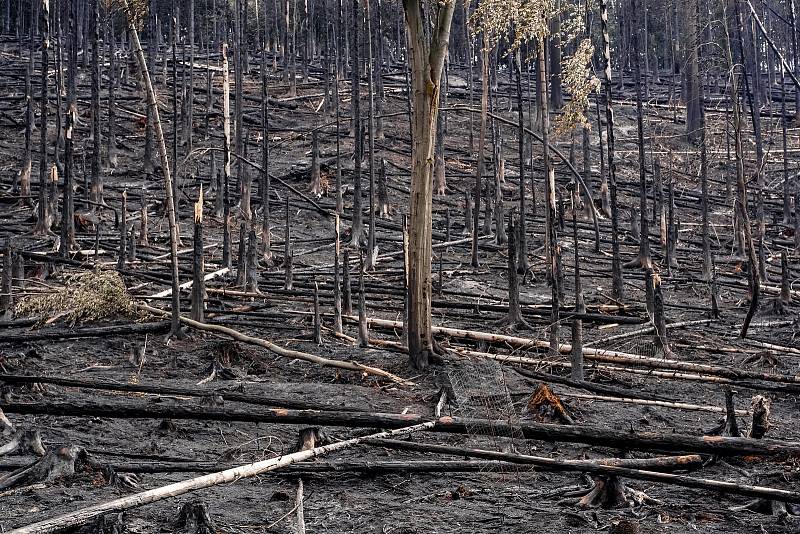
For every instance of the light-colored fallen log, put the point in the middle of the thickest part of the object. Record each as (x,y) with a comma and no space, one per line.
(598,355)
(187,285)
(645,402)
(82,516)
(277,349)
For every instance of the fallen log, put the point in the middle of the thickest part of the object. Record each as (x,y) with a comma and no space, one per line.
(649,402)
(600,468)
(92,331)
(370,467)
(277,349)
(233,396)
(599,355)
(658,463)
(589,434)
(82,516)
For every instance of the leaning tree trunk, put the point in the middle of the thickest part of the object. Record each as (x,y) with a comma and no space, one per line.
(426,60)
(152,102)
(741,205)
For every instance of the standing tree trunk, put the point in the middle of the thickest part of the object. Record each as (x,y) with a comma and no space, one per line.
(67,208)
(358,224)
(692,97)
(553,252)
(643,259)
(426,59)
(43,213)
(97,141)
(616,267)
(152,102)
(481,167)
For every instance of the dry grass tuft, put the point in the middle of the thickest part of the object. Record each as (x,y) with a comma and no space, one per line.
(87,296)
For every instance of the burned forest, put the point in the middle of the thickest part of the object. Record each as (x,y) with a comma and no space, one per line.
(399,266)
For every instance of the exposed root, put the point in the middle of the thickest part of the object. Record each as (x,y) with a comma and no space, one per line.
(6,427)
(607,493)
(126,481)
(106,524)
(217,370)
(24,442)
(194,518)
(763,358)
(56,464)
(308,438)
(769,507)
(509,324)
(624,526)
(544,406)
(778,306)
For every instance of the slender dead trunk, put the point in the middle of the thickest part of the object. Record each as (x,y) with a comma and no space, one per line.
(616,265)
(43,221)
(152,102)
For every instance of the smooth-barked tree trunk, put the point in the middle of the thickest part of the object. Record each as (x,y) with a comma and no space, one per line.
(426,59)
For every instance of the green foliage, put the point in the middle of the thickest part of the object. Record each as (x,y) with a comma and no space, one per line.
(580,81)
(87,296)
(521,21)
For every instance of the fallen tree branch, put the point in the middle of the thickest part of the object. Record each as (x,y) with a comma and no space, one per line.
(84,515)
(277,349)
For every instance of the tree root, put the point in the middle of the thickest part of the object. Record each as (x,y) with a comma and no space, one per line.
(126,481)
(607,493)
(6,427)
(770,507)
(610,492)
(24,442)
(194,518)
(106,524)
(624,526)
(308,438)
(55,465)
(217,370)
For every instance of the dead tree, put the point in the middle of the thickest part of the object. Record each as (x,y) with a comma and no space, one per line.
(198,264)
(481,166)
(27,162)
(616,267)
(97,141)
(316,182)
(357,230)
(643,258)
(742,216)
(133,18)
(44,216)
(576,371)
